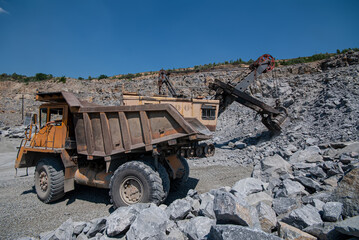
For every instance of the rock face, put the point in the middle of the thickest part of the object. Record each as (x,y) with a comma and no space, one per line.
(199,227)
(256,198)
(290,188)
(230,211)
(283,205)
(151,223)
(349,226)
(120,220)
(65,231)
(303,217)
(234,232)
(248,186)
(206,207)
(309,155)
(275,166)
(332,211)
(348,194)
(267,217)
(178,209)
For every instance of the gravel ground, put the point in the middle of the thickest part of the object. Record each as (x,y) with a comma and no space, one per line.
(22,214)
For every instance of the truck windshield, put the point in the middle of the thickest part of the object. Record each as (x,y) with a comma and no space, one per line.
(43,117)
(56,116)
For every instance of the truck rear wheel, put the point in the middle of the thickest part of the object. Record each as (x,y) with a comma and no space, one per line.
(136,182)
(177,183)
(49,180)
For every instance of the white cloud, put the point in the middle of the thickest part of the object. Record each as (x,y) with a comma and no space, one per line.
(3,11)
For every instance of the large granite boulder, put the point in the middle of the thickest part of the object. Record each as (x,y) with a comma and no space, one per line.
(348,194)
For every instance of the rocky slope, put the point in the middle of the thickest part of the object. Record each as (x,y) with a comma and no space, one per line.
(304,181)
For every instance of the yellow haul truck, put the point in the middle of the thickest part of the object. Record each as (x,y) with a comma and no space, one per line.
(131,150)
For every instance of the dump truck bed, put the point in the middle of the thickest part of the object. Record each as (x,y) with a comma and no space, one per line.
(108,130)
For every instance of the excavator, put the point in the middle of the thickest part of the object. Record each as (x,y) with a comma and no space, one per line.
(203,113)
(226,93)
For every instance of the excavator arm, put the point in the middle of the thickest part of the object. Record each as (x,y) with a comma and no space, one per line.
(272,117)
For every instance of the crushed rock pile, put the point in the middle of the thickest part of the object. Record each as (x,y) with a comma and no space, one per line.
(298,208)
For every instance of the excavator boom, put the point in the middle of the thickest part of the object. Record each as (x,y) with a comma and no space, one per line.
(272,117)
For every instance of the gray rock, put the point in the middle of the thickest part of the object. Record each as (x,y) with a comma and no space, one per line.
(345,158)
(349,226)
(267,217)
(240,145)
(289,232)
(182,224)
(348,194)
(206,207)
(290,149)
(256,198)
(178,209)
(192,193)
(353,147)
(120,220)
(309,155)
(46,235)
(150,223)
(283,205)
(332,211)
(332,168)
(79,227)
(63,232)
(324,231)
(248,186)
(303,217)
(82,236)
(290,188)
(309,184)
(331,181)
(228,210)
(275,166)
(235,232)
(303,165)
(318,204)
(311,141)
(97,225)
(322,196)
(175,234)
(317,172)
(195,207)
(198,227)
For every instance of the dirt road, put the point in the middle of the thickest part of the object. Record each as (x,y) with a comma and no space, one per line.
(22,214)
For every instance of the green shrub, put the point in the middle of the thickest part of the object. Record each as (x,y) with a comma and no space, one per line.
(62,79)
(80,78)
(102,76)
(42,76)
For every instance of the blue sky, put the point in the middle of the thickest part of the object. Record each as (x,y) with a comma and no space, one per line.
(93,37)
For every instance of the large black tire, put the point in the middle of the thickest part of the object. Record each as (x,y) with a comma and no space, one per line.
(177,183)
(209,150)
(136,182)
(49,180)
(165,180)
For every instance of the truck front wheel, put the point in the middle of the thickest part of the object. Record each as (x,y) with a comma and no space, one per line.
(49,180)
(136,182)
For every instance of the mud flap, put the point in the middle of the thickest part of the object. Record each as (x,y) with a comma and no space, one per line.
(177,169)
